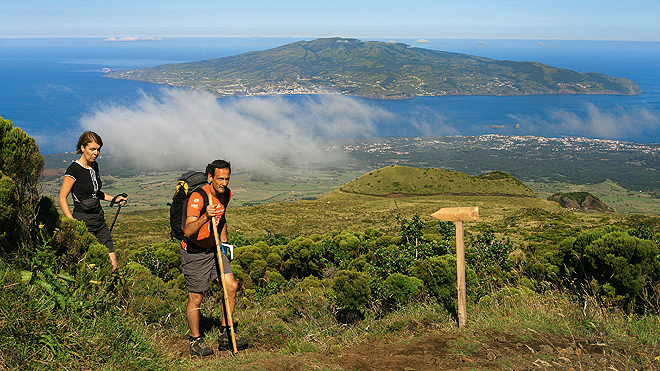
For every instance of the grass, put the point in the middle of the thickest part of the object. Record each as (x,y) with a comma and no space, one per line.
(297,327)
(416,181)
(148,191)
(336,211)
(615,196)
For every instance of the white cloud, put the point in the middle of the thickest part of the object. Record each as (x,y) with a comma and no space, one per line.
(430,123)
(616,123)
(124,39)
(422,41)
(254,133)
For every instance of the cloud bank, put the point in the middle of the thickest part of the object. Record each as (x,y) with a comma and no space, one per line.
(617,123)
(194,128)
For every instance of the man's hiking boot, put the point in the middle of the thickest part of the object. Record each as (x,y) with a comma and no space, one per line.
(199,348)
(224,341)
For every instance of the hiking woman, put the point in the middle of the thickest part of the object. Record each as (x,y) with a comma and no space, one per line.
(82,180)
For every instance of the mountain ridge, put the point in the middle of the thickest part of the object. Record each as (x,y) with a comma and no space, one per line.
(373,69)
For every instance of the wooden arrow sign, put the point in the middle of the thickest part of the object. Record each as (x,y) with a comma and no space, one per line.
(455,214)
(458,215)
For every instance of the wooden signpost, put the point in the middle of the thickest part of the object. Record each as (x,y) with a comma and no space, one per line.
(458,215)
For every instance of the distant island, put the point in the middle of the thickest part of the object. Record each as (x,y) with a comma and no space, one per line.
(381,70)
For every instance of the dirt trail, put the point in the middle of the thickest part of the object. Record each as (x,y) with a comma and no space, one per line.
(439,351)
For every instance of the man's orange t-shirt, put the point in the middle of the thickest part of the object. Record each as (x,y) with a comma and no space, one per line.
(204,238)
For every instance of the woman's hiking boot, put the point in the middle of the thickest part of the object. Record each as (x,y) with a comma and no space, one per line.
(199,348)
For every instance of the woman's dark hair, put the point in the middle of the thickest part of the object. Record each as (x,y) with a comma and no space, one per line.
(87,138)
(217,164)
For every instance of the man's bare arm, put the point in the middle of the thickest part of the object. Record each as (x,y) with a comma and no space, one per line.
(194,224)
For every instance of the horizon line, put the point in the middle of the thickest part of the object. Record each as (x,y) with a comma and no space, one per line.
(161,38)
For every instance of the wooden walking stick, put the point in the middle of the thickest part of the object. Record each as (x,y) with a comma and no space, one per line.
(230,321)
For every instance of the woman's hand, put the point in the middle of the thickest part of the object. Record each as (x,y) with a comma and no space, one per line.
(120,199)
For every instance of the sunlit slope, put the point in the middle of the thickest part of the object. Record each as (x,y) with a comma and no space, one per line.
(359,205)
(372,200)
(401,180)
(376,70)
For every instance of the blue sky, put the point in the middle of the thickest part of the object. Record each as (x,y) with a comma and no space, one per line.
(481,19)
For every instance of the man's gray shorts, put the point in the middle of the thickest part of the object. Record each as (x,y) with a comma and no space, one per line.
(199,268)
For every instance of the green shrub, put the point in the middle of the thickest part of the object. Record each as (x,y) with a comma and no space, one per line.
(351,290)
(149,298)
(401,254)
(311,282)
(21,166)
(620,268)
(72,241)
(384,241)
(162,259)
(438,274)
(8,212)
(251,262)
(275,280)
(258,272)
(274,260)
(97,256)
(348,244)
(238,273)
(402,288)
(135,269)
(47,217)
(361,264)
(393,259)
(489,257)
(411,230)
(79,287)
(297,260)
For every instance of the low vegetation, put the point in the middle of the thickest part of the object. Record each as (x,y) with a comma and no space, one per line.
(325,282)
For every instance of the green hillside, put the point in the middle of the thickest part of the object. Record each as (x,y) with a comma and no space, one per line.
(401,180)
(375,70)
(346,281)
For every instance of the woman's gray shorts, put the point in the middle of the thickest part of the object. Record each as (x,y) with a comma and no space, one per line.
(200,268)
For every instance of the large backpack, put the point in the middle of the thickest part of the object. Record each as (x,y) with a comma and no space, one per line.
(185,186)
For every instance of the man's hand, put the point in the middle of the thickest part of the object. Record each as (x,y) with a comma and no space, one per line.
(211,211)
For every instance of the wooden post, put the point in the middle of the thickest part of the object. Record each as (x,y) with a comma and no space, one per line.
(460,274)
(458,215)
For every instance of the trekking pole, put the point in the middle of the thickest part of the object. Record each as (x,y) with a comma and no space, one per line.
(230,321)
(114,201)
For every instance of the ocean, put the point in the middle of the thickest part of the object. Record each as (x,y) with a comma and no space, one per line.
(49,86)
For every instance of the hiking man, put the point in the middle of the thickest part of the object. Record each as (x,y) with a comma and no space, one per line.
(198,255)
